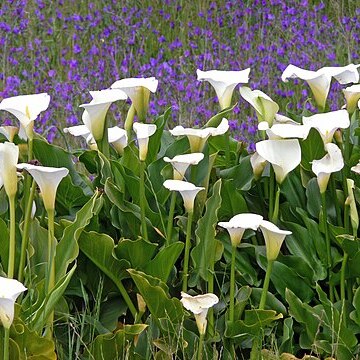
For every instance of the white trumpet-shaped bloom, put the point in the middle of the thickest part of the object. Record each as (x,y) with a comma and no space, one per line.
(351,202)
(197,137)
(224,82)
(143,132)
(138,90)
(199,305)
(181,163)
(283,155)
(187,190)
(48,180)
(237,225)
(9,156)
(274,238)
(332,162)
(352,96)
(264,106)
(288,131)
(118,138)
(83,131)
(327,123)
(319,81)
(26,108)
(95,111)
(258,165)
(10,289)
(9,132)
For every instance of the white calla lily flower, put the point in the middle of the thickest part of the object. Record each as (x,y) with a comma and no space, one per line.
(356,168)
(327,123)
(284,155)
(10,289)
(237,225)
(198,137)
(258,165)
(118,138)
(48,180)
(143,132)
(351,202)
(9,132)
(138,90)
(26,108)
(181,163)
(287,131)
(352,96)
(95,111)
(274,238)
(264,106)
(332,162)
(9,156)
(199,305)
(319,81)
(224,82)
(187,190)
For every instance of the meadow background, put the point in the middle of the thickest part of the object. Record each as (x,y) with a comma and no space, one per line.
(67,48)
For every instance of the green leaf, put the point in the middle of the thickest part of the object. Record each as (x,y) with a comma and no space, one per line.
(203,254)
(355,315)
(311,148)
(292,189)
(216,119)
(287,339)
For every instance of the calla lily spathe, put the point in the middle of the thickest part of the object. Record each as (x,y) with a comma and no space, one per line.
(274,238)
(138,90)
(237,225)
(48,180)
(9,155)
(284,155)
(9,132)
(327,123)
(319,81)
(26,108)
(95,112)
(352,96)
(10,289)
(118,138)
(143,132)
(181,163)
(332,162)
(351,202)
(287,131)
(264,106)
(224,82)
(187,190)
(198,137)
(199,305)
(258,165)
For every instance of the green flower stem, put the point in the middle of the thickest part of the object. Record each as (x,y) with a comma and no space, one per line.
(271,192)
(334,196)
(227,148)
(266,285)
(129,121)
(187,251)
(232,284)
(26,229)
(103,144)
(275,213)
(210,314)
(143,200)
(200,348)
(261,196)
(12,243)
(126,298)
(6,344)
(30,149)
(171,218)
(342,276)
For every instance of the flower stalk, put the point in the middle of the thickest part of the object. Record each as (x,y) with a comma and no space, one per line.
(187,251)
(144,232)
(169,229)
(12,243)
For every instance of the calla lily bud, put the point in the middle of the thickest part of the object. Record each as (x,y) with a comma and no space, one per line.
(180,163)
(199,305)
(10,289)
(9,155)
(48,180)
(350,201)
(274,238)
(118,139)
(143,132)
(258,165)
(237,225)
(9,132)
(352,96)
(224,82)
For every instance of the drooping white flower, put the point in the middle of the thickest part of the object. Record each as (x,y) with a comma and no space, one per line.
(333,161)
(95,111)
(237,225)
(327,123)
(180,163)
(9,132)
(288,131)
(319,81)
(48,180)
(118,138)
(26,108)
(143,132)
(264,106)
(187,190)
(10,289)
(352,96)
(351,202)
(197,137)
(199,305)
(138,90)
(224,82)
(258,164)
(284,155)
(9,156)
(274,238)
(83,131)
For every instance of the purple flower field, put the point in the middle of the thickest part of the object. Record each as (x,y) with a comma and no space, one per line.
(67,48)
